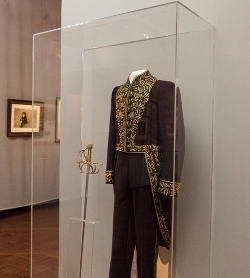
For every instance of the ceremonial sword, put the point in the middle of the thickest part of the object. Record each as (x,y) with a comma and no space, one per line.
(85,159)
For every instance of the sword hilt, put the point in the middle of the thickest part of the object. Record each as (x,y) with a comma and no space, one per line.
(85,159)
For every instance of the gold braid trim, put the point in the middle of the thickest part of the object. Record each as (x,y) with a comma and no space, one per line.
(152,160)
(109,177)
(169,188)
(136,102)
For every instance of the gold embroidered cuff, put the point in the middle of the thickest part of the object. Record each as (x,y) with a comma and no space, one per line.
(109,177)
(169,188)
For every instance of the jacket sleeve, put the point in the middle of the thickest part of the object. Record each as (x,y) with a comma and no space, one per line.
(111,152)
(172,138)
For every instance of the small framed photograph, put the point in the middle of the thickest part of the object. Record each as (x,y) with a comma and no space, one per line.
(20,121)
(58,119)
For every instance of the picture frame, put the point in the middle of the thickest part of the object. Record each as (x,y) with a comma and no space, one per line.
(23,118)
(58,119)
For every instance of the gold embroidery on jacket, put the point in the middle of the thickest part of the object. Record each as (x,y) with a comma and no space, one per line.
(169,188)
(109,177)
(133,97)
(152,163)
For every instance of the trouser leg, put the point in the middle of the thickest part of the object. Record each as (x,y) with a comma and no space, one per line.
(134,222)
(146,232)
(123,241)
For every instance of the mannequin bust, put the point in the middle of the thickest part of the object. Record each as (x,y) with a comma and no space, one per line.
(133,74)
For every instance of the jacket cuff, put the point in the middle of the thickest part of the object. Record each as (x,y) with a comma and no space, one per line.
(109,177)
(169,188)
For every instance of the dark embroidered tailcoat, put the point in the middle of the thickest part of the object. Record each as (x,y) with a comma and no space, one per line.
(146,118)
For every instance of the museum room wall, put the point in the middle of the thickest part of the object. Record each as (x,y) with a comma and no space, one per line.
(19,20)
(230,240)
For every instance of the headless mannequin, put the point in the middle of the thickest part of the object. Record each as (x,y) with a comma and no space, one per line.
(133,74)
(134,219)
(141,110)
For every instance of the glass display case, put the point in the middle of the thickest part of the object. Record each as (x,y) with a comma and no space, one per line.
(75,70)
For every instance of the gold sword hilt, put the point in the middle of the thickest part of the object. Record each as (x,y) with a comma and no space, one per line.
(84,158)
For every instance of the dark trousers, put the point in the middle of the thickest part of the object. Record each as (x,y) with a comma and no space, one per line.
(134,221)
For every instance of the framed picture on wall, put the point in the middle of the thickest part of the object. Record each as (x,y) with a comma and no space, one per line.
(20,121)
(58,119)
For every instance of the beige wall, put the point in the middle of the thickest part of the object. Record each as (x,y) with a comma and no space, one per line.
(19,20)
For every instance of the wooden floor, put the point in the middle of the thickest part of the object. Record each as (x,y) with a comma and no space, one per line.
(15,242)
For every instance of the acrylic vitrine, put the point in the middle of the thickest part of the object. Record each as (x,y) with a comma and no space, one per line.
(74,72)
